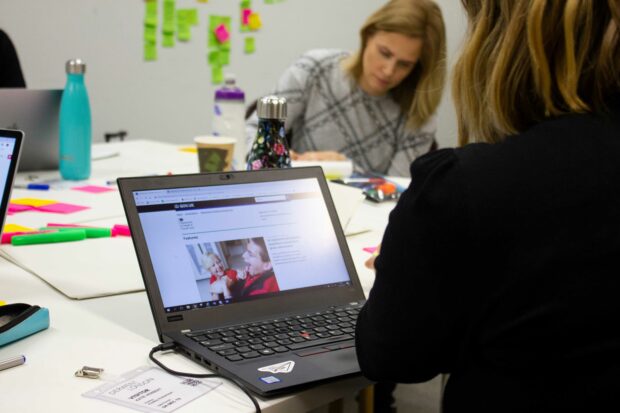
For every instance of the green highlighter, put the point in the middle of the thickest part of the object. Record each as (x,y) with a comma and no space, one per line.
(49,237)
(91,232)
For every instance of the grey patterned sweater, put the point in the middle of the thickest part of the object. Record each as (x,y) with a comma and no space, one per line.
(327,110)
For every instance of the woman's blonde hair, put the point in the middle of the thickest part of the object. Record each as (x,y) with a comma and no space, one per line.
(526,60)
(419,94)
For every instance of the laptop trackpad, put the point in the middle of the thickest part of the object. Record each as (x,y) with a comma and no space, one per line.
(332,360)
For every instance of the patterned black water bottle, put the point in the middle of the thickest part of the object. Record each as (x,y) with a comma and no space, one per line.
(270,149)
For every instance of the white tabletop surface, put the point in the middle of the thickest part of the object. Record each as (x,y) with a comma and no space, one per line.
(117,332)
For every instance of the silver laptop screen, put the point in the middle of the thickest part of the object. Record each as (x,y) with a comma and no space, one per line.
(218,245)
(7,152)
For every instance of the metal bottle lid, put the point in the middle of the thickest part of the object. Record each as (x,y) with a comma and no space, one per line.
(271,107)
(75,67)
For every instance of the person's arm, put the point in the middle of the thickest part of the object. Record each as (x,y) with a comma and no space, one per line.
(410,328)
(10,69)
(411,145)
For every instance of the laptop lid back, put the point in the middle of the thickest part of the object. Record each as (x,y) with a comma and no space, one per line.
(36,113)
(10,146)
(275,233)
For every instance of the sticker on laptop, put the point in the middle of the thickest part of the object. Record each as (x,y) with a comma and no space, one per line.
(284,367)
(270,379)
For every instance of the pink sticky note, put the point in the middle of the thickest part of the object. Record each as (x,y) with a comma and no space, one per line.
(370,250)
(93,189)
(119,229)
(13,208)
(61,208)
(246,16)
(221,33)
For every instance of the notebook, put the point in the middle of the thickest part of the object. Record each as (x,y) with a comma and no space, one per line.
(248,273)
(36,113)
(10,145)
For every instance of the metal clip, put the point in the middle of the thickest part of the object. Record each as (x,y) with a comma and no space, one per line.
(89,372)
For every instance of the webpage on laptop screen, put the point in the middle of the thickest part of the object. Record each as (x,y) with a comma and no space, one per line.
(218,245)
(7,147)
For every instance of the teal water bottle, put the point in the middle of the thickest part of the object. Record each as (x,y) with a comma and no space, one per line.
(75,126)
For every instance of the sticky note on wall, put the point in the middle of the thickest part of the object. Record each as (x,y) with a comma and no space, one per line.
(168,26)
(150,30)
(249,45)
(254,21)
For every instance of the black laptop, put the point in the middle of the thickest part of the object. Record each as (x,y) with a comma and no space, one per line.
(10,147)
(249,273)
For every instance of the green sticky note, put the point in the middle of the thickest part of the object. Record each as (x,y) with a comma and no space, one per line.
(150,34)
(246,4)
(249,45)
(150,52)
(168,28)
(168,40)
(169,14)
(217,74)
(192,16)
(151,7)
(269,2)
(224,58)
(184,34)
(213,58)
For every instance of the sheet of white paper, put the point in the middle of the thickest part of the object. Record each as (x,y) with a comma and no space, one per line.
(347,199)
(150,389)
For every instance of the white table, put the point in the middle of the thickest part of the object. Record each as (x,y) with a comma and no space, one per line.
(117,332)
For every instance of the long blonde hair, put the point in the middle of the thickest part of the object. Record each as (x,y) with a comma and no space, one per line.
(527,60)
(419,94)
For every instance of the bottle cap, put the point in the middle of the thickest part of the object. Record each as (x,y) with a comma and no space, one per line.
(271,107)
(75,67)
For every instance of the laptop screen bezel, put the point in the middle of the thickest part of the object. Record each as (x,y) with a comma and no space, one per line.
(246,311)
(6,194)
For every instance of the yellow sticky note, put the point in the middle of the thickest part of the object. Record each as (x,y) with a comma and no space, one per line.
(33,202)
(2,303)
(16,228)
(189,149)
(249,45)
(254,21)
(203,1)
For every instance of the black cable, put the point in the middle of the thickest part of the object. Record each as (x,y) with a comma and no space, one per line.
(172,346)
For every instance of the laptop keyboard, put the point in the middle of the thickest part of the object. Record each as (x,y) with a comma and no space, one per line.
(306,334)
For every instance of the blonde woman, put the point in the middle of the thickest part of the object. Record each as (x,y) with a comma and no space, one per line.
(500,262)
(377,106)
(220,278)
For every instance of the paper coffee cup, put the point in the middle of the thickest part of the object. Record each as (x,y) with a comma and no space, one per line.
(215,153)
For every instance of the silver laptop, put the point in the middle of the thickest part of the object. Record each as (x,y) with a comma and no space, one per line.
(248,273)
(36,113)
(10,146)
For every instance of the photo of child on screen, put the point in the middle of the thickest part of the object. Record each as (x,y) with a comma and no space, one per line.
(259,275)
(220,276)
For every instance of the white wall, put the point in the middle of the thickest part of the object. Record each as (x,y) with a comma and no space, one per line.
(171,99)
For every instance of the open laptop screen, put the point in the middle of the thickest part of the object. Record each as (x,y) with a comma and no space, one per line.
(10,143)
(216,245)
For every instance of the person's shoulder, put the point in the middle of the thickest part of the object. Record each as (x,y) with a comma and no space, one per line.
(324,57)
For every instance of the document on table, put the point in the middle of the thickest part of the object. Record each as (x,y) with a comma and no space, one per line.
(150,389)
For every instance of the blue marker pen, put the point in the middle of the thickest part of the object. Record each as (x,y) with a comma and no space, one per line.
(38,187)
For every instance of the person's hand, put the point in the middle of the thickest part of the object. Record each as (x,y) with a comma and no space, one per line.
(318,156)
(370,262)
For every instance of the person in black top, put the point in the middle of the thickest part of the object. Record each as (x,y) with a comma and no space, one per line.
(10,70)
(500,263)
